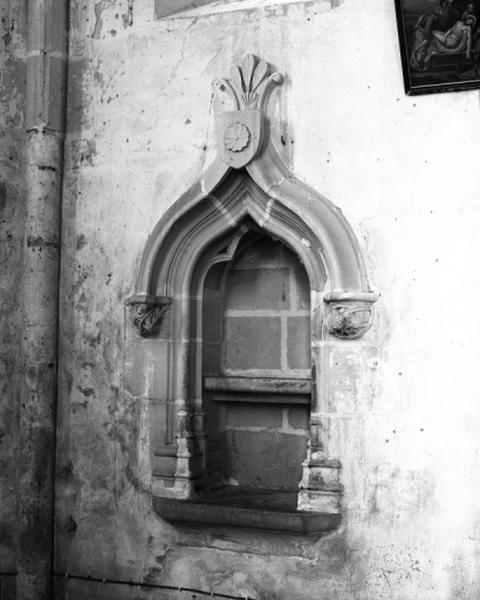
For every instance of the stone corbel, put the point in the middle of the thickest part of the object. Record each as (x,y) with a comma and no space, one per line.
(148,312)
(349,315)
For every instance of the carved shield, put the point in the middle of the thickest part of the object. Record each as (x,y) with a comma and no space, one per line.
(239,136)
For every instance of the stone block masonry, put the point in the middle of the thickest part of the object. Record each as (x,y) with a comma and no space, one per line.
(267,313)
(260,439)
(252,343)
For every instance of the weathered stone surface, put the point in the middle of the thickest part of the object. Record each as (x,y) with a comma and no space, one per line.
(303,288)
(150,84)
(261,416)
(271,460)
(268,510)
(257,289)
(298,417)
(252,343)
(8,586)
(13,142)
(401,406)
(261,386)
(12,190)
(298,343)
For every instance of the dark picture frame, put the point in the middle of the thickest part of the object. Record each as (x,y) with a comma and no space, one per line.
(439,44)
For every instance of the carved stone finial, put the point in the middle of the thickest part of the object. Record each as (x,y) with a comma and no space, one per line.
(148,313)
(349,316)
(250,83)
(240,131)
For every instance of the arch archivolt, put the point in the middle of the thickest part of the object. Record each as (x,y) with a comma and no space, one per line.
(203,228)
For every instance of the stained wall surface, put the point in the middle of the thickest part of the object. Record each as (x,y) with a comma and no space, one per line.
(12,222)
(403,407)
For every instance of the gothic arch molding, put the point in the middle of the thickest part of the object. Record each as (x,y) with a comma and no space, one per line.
(276,196)
(247,180)
(271,195)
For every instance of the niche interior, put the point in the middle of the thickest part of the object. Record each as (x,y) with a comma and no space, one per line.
(243,284)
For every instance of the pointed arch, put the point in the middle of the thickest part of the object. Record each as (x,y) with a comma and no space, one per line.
(202,228)
(278,202)
(188,238)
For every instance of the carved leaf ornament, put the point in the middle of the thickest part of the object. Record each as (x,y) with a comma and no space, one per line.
(349,322)
(247,78)
(148,312)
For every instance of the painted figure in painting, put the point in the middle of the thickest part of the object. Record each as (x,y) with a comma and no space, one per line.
(440,44)
(441,19)
(475,70)
(423,33)
(448,14)
(469,11)
(457,40)
(442,32)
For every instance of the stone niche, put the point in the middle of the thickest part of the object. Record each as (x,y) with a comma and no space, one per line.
(244,285)
(256,366)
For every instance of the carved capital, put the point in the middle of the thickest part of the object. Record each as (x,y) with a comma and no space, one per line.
(147,313)
(349,316)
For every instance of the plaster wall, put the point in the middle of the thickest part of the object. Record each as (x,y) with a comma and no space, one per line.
(403,407)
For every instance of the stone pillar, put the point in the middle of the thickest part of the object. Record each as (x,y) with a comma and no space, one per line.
(44,121)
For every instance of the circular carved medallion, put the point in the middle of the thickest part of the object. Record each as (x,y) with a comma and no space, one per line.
(236,137)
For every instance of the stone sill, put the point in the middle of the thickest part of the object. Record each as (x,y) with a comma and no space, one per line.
(269,510)
(266,390)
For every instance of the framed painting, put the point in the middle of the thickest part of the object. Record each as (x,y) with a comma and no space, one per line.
(440,44)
